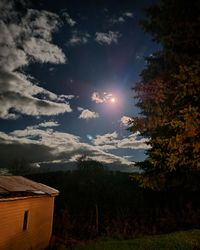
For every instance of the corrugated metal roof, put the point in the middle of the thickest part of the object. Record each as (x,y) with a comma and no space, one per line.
(16,184)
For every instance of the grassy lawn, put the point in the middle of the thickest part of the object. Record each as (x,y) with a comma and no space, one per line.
(186,240)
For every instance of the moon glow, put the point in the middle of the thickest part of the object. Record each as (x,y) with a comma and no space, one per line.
(112,100)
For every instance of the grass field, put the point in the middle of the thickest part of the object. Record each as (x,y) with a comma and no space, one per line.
(185,240)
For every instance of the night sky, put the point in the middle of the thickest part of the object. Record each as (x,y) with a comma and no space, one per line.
(66,73)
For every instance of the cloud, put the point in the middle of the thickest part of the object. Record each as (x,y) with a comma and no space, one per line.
(50,146)
(63,98)
(45,125)
(68,19)
(133,142)
(25,39)
(79,38)
(126,120)
(128,14)
(43,51)
(110,141)
(117,20)
(101,98)
(19,95)
(96,97)
(107,38)
(109,138)
(87,114)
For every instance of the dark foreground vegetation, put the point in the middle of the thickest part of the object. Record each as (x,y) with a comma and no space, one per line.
(94,202)
(187,240)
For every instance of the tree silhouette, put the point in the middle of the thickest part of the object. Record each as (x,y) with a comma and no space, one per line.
(169,95)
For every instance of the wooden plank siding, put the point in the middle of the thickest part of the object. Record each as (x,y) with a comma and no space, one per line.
(39,223)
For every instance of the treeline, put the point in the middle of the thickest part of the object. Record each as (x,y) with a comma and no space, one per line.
(95,202)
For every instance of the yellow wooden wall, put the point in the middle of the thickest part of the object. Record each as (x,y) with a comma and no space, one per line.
(39,228)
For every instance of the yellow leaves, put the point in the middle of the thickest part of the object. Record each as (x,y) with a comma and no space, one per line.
(152,90)
(150,181)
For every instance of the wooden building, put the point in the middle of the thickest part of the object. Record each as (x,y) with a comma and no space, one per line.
(26,213)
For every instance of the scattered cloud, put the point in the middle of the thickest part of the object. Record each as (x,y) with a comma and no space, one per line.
(25,39)
(109,138)
(128,14)
(19,95)
(120,19)
(87,114)
(111,141)
(79,38)
(96,97)
(68,19)
(133,142)
(43,51)
(126,120)
(51,146)
(51,69)
(116,20)
(107,38)
(101,98)
(44,125)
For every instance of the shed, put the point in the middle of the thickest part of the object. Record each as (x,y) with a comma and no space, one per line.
(26,213)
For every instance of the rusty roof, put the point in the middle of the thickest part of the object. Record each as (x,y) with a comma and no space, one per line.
(16,185)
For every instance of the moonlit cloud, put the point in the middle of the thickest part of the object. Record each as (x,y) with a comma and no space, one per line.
(107,38)
(18,95)
(52,146)
(87,114)
(133,142)
(116,20)
(44,125)
(25,39)
(109,138)
(79,38)
(126,120)
(101,98)
(128,14)
(43,51)
(111,141)
(96,97)
(68,19)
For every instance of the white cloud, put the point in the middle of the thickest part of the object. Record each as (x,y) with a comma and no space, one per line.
(29,105)
(107,38)
(43,51)
(22,40)
(111,141)
(108,138)
(79,38)
(18,94)
(96,97)
(45,125)
(117,20)
(101,98)
(51,146)
(133,142)
(128,14)
(87,114)
(126,120)
(68,19)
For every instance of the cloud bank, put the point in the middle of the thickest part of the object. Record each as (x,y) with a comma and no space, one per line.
(24,39)
(50,146)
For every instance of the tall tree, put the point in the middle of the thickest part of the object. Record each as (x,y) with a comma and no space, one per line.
(169,95)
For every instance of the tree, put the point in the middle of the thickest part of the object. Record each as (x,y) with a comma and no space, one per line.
(20,166)
(169,95)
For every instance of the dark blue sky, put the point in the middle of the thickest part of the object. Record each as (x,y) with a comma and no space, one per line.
(88,55)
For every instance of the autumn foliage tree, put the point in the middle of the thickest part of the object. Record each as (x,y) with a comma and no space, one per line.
(168,95)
